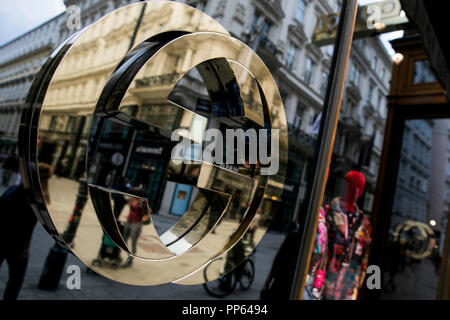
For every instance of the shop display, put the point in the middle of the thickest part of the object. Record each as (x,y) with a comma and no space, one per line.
(339,258)
(348,239)
(315,281)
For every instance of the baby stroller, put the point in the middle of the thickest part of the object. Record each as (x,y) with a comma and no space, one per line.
(109,253)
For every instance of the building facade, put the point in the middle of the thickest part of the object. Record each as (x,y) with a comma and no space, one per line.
(439,180)
(411,199)
(280,32)
(20,60)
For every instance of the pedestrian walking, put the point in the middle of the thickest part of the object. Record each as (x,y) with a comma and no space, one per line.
(139,214)
(119,199)
(16,228)
(279,280)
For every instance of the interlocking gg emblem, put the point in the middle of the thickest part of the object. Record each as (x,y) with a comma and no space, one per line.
(117,93)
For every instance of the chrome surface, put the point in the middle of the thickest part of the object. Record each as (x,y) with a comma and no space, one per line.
(119,73)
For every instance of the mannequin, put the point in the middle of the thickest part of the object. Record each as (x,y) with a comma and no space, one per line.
(355,188)
(343,221)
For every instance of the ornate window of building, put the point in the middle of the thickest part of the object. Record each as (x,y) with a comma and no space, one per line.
(380,101)
(423,72)
(355,75)
(297,120)
(378,137)
(323,85)
(405,144)
(260,25)
(299,115)
(239,14)
(291,56)
(351,108)
(283,95)
(255,22)
(329,50)
(300,12)
(271,9)
(411,180)
(266,29)
(371,89)
(309,71)
(374,63)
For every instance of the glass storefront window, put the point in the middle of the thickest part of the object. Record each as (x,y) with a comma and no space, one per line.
(418,224)
(128,159)
(423,72)
(125,159)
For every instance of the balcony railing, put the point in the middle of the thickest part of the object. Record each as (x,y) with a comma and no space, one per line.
(350,121)
(272,8)
(265,48)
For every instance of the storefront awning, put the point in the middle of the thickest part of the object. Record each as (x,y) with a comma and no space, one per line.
(430,19)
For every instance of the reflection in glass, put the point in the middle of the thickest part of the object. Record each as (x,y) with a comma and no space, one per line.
(111,119)
(423,72)
(419,218)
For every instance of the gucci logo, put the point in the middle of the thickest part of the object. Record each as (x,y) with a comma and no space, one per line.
(417,238)
(109,103)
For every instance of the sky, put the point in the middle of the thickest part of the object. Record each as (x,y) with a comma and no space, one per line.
(19,16)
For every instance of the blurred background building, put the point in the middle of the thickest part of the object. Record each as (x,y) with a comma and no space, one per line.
(280,32)
(411,199)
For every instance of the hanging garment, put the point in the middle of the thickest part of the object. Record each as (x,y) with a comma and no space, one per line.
(315,281)
(348,239)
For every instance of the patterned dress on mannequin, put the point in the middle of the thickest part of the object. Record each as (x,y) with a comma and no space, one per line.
(348,239)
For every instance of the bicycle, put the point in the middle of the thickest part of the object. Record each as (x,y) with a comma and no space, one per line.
(244,274)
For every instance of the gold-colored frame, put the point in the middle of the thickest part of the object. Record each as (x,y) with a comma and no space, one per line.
(74,82)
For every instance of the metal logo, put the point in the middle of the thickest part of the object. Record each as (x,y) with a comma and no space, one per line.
(92,110)
(416,238)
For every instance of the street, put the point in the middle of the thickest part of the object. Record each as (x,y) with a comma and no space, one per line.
(95,287)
